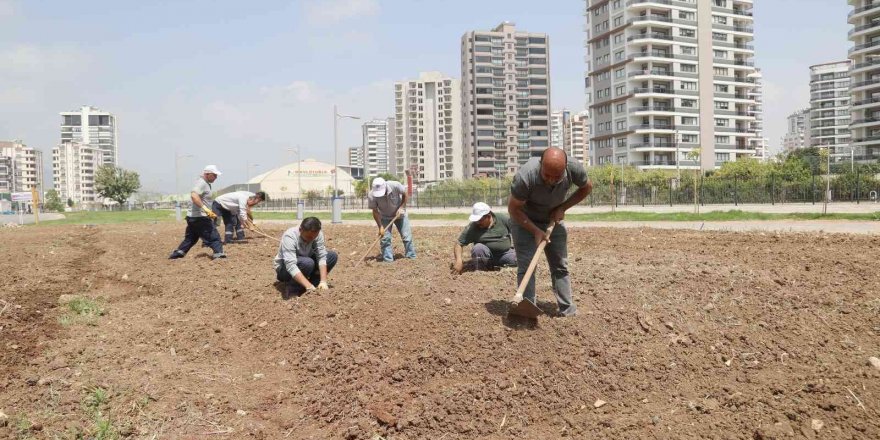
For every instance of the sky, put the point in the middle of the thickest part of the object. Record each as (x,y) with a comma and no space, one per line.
(237,84)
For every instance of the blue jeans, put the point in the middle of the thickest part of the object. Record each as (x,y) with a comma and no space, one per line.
(485,259)
(405,230)
(557,258)
(309,268)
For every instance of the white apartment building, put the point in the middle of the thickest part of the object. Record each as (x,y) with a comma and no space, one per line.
(571,132)
(830,108)
(798,132)
(376,146)
(759,142)
(505,89)
(652,99)
(73,171)
(93,127)
(865,75)
(427,130)
(580,138)
(356,157)
(21,168)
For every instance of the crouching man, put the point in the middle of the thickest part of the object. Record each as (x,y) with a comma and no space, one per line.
(492,239)
(303,261)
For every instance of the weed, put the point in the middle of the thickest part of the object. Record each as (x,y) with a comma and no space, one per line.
(104,429)
(96,400)
(85,307)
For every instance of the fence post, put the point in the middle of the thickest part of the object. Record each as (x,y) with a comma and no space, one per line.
(670,191)
(772,189)
(813,188)
(735,190)
(858,186)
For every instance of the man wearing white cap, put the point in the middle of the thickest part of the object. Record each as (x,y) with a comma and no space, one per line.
(388,202)
(492,239)
(200,220)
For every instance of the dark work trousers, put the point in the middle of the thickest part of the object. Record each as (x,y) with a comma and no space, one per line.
(200,228)
(309,268)
(231,223)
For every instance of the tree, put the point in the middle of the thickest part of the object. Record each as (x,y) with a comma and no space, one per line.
(116,183)
(69,202)
(53,201)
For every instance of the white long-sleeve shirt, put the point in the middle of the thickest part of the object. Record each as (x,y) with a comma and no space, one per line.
(235,202)
(292,246)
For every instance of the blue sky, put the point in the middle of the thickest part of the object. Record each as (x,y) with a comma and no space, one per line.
(232,82)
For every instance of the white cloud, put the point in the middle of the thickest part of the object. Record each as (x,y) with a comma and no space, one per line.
(7,9)
(328,12)
(297,92)
(26,60)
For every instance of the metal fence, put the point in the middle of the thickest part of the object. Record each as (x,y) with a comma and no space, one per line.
(669,192)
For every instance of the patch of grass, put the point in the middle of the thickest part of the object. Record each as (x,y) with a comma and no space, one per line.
(96,405)
(96,400)
(81,310)
(23,427)
(107,217)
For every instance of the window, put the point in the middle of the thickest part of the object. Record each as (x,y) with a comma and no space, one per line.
(689,103)
(621,125)
(618,56)
(618,39)
(719,19)
(688,120)
(719,54)
(621,143)
(684,15)
(722,139)
(719,36)
(689,68)
(688,50)
(620,108)
(620,90)
(721,71)
(719,122)
(689,138)
(619,73)
(618,21)
(721,88)
(690,33)
(688,85)
(722,105)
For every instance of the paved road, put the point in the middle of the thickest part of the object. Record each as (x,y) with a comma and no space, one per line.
(29,218)
(828,226)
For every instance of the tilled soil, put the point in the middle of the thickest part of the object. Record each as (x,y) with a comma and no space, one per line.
(679,335)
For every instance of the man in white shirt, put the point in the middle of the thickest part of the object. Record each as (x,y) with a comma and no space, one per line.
(234,208)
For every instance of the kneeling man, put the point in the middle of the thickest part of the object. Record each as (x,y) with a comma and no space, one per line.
(492,239)
(302,259)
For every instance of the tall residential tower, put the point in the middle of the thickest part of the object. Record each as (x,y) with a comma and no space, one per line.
(865,76)
(830,108)
(505,84)
(669,77)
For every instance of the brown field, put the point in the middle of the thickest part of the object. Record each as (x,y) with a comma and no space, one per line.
(681,334)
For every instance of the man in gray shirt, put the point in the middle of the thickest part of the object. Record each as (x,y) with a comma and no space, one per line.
(302,259)
(538,198)
(388,201)
(200,220)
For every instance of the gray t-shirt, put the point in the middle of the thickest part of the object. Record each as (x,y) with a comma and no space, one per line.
(390,202)
(541,198)
(203,189)
(293,246)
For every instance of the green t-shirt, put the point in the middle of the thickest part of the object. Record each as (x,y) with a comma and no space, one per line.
(497,237)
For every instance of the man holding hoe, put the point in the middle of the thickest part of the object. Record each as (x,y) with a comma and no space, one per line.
(539,197)
(388,199)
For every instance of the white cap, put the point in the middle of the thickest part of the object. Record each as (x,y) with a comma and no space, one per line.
(212,169)
(378,187)
(480,210)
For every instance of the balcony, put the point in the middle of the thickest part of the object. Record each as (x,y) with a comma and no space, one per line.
(864,46)
(866,102)
(863,9)
(863,28)
(663,108)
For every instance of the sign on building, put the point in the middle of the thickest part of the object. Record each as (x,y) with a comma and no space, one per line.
(22,197)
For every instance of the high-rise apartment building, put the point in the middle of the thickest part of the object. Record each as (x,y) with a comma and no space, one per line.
(21,167)
(427,132)
(505,85)
(830,108)
(865,76)
(376,146)
(356,157)
(92,127)
(571,132)
(759,142)
(580,138)
(798,131)
(73,170)
(667,74)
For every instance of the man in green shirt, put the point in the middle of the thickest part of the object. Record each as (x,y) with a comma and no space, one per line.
(490,233)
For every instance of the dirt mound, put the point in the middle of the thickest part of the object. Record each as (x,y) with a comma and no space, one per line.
(679,335)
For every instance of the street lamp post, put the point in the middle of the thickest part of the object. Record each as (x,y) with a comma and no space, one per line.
(177,157)
(337,208)
(677,156)
(300,205)
(248,167)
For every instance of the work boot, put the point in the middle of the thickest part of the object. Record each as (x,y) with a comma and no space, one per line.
(218,255)
(176,254)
